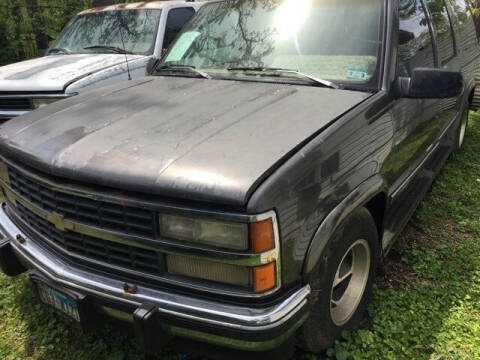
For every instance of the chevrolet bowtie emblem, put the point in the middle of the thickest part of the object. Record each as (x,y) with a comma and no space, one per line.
(59,222)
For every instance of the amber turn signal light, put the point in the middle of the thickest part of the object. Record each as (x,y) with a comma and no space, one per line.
(262,236)
(264,278)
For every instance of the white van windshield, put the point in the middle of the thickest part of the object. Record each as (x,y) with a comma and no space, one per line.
(134,31)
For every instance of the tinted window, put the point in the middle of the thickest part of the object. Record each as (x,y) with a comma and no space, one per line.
(415,48)
(177,18)
(441,25)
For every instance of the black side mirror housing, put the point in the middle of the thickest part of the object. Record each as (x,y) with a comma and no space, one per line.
(427,83)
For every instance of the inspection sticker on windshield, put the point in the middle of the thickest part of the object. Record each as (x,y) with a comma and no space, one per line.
(357,74)
(182,45)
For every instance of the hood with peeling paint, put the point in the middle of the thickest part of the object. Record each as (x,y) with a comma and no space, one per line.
(194,139)
(56,72)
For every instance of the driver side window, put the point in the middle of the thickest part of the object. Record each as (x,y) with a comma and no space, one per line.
(415,40)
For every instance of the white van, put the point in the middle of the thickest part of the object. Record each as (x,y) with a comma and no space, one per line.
(98,47)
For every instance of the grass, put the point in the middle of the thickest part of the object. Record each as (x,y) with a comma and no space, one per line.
(425,303)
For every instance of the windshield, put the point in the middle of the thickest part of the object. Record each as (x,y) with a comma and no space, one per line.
(337,40)
(102,32)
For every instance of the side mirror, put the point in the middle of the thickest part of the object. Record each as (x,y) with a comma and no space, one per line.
(426,83)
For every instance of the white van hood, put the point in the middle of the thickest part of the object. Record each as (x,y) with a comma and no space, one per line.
(56,72)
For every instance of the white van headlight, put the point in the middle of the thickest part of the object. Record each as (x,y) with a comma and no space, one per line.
(42,102)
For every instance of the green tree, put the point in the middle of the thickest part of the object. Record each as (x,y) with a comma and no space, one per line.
(475,6)
(28,27)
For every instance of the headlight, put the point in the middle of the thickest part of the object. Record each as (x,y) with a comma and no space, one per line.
(257,239)
(206,232)
(40,103)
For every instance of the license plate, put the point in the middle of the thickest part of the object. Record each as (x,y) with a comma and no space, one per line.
(58,301)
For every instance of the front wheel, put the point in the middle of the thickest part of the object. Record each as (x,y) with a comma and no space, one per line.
(342,282)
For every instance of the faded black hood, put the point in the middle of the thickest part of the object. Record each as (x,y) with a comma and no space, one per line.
(196,139)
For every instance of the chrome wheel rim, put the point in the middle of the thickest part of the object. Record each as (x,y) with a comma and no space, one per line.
(463,130)
(350,282)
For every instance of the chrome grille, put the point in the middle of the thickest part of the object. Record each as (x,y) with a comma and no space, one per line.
(104,215)
(14,103)
(90,248)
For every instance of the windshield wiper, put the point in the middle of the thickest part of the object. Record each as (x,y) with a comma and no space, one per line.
(313,79)
(59,50)
(111,48)
(187,68)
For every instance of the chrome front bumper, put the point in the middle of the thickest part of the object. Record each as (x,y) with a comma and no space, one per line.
(194,310)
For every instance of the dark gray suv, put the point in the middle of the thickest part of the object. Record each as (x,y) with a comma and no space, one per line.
(246,191)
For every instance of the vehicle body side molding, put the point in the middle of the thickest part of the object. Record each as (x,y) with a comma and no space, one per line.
(356,199)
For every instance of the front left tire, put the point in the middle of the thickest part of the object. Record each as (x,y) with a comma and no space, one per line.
(342,282)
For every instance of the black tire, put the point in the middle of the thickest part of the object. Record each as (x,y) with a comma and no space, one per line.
(462,130)
(320,331)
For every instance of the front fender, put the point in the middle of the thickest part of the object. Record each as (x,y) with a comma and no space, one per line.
(356,199)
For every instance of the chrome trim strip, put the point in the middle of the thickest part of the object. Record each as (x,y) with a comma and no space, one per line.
(7,114)
(216,313)
(36,96)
